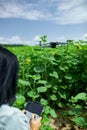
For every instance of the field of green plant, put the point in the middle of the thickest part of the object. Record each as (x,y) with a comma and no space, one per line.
(55,77)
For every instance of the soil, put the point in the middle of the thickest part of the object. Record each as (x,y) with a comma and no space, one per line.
(63,123)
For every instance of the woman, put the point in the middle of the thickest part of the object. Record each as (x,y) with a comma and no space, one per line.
(11,118)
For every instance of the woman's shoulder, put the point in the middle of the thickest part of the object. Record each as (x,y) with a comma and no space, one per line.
(12,117)
(8,110)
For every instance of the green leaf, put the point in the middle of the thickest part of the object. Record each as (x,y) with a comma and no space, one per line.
(80,121)
(33,94)
(62,68)
(23,82)
(36,77)
(45,120)
(81,96)
(42,82)
(62,94)
(74,111)
(53,63)
(55,87)
(64,87)
(43,38)
(43,102)
(59,80)
(47,110)
(48,86)
(41,89)
(54,74)
(53,113)
(53,97)
(61,105)
(46,126)
(68,77)
(39,69)
(20,100)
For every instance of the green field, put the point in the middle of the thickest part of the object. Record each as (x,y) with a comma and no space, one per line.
(56,77)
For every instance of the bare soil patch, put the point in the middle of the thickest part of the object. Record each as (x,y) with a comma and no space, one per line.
(63,123)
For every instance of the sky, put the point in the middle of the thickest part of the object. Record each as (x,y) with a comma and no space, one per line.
(24,21)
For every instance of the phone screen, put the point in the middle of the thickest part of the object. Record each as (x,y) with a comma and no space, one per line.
(34,107)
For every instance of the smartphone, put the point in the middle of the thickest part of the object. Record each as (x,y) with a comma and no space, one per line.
(34,108)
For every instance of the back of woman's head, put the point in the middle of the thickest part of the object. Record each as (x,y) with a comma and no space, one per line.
(8,76)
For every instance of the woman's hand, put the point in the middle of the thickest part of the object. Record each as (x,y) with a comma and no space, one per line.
(35,124)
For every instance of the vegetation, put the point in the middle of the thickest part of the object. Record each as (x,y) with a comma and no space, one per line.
(55,77)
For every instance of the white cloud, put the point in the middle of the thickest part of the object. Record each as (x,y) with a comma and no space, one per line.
(37,38)
(71,12)
(13,40)
(61,12)
(18,40)
(20,10)
(85,35)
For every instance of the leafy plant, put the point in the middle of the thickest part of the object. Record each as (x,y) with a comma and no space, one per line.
(55,77)
(43,38)
(80,121)
(79,118)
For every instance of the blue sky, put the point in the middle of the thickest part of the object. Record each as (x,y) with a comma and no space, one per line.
(23,21)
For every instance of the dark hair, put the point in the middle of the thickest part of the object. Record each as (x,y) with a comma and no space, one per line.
(8,76)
